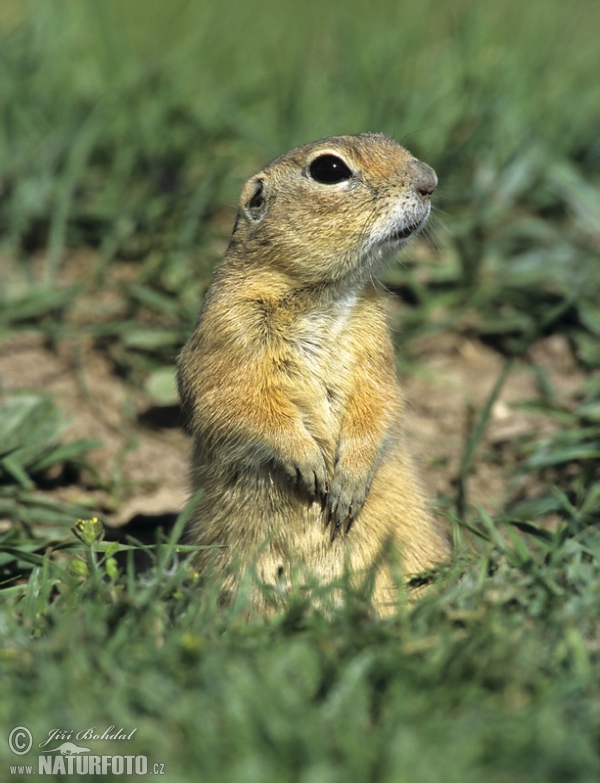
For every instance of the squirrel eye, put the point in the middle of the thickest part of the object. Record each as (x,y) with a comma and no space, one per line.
(329,169)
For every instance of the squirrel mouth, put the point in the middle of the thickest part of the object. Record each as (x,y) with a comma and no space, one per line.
(404,233)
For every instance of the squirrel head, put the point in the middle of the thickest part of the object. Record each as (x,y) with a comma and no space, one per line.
(334,209)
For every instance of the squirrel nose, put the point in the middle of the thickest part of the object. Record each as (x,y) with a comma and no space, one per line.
(425,181)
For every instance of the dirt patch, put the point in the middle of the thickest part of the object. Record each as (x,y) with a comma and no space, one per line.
(455,380)
(145,467)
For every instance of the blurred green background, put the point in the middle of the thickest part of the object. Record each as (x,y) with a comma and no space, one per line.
(126,131)
(109,107)
(128,128)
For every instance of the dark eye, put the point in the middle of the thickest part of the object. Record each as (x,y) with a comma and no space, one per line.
(329,169)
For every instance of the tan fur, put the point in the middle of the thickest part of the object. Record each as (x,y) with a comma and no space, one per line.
(289,382)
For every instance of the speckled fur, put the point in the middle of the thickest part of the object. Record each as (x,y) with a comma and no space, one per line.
(288,380)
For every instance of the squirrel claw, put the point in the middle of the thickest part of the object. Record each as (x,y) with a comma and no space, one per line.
(336,529)
(324,499)
(336,521)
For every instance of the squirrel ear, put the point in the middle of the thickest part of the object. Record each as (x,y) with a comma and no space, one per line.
(253,199)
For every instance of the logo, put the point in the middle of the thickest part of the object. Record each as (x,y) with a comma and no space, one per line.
(71,759)
(20,740)
(69,749)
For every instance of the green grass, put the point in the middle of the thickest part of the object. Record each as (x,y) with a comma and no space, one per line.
(495,675)
(126,130)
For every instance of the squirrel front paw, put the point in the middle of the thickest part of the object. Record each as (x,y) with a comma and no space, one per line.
(308,473)
(346,497)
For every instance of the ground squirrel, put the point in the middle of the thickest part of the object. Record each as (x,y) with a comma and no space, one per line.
(288,381)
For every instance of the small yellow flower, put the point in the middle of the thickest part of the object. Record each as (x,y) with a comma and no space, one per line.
(89,530)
